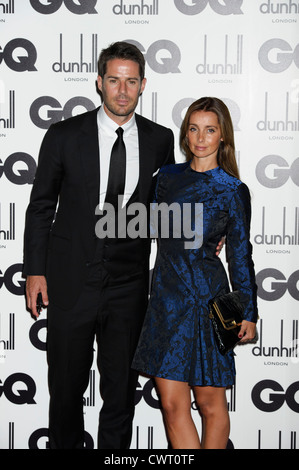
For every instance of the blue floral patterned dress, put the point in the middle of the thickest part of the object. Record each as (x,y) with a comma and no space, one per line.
(177,340)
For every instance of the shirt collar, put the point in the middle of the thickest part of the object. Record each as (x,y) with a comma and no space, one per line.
(105,123)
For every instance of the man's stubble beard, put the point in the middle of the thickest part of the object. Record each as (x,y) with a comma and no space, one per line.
(112,109)
(123,113)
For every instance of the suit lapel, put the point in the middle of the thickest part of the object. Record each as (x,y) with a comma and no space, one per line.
(146,158)
(89,153)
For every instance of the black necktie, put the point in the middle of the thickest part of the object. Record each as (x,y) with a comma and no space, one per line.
(117,170)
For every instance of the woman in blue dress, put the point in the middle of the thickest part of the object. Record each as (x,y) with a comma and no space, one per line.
(177,345)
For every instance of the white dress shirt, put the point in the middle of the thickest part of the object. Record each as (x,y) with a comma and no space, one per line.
(107,137)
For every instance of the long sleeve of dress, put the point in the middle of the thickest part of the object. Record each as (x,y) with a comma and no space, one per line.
(239,251)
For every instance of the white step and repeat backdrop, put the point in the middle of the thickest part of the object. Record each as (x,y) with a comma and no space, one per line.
(245,52)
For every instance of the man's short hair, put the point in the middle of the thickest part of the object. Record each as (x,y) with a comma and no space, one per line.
(121,50)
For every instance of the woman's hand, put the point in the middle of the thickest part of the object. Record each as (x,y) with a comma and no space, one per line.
(220,246)
(247,331)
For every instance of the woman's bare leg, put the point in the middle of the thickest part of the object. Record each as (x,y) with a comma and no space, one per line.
(176,404)
(215,417)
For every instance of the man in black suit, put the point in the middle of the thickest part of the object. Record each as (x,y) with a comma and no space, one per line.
(93,287)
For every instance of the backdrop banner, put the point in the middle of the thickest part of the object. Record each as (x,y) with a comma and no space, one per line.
(245,52)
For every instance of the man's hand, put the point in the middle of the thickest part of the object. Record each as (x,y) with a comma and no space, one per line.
(34,286)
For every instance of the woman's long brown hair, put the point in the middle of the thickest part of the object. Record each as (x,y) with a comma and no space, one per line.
(226,153)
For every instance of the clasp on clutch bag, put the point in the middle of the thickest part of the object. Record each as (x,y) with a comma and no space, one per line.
(229,323)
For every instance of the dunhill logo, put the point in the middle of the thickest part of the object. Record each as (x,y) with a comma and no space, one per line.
(149,434)
(281,349)
(90,400)
(226,67)
(10,233)
(279,8)
(283,125)
(8,7)
(81,66)
(279,239)
(143,8)
(9,344)
(154,106)
(9,123)
(280,437)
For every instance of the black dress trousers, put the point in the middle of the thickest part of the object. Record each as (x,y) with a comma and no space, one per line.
(111,310)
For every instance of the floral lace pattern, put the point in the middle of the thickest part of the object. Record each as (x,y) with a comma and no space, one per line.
(177,340)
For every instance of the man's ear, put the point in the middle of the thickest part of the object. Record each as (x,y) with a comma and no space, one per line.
(99,82)
(143,83)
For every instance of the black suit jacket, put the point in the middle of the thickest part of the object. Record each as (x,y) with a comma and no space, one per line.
(66,187)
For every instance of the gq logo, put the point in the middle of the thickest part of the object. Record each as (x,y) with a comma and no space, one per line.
(12,168)
(276,400)
(276,55)
(230,7)
(34,334)
(280,174)
(278,287)
(21,63)
(8,280)
(165,64)
(19,395)
(78,7)
(147,394)
(56,112)
(39,439)
(180,108)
